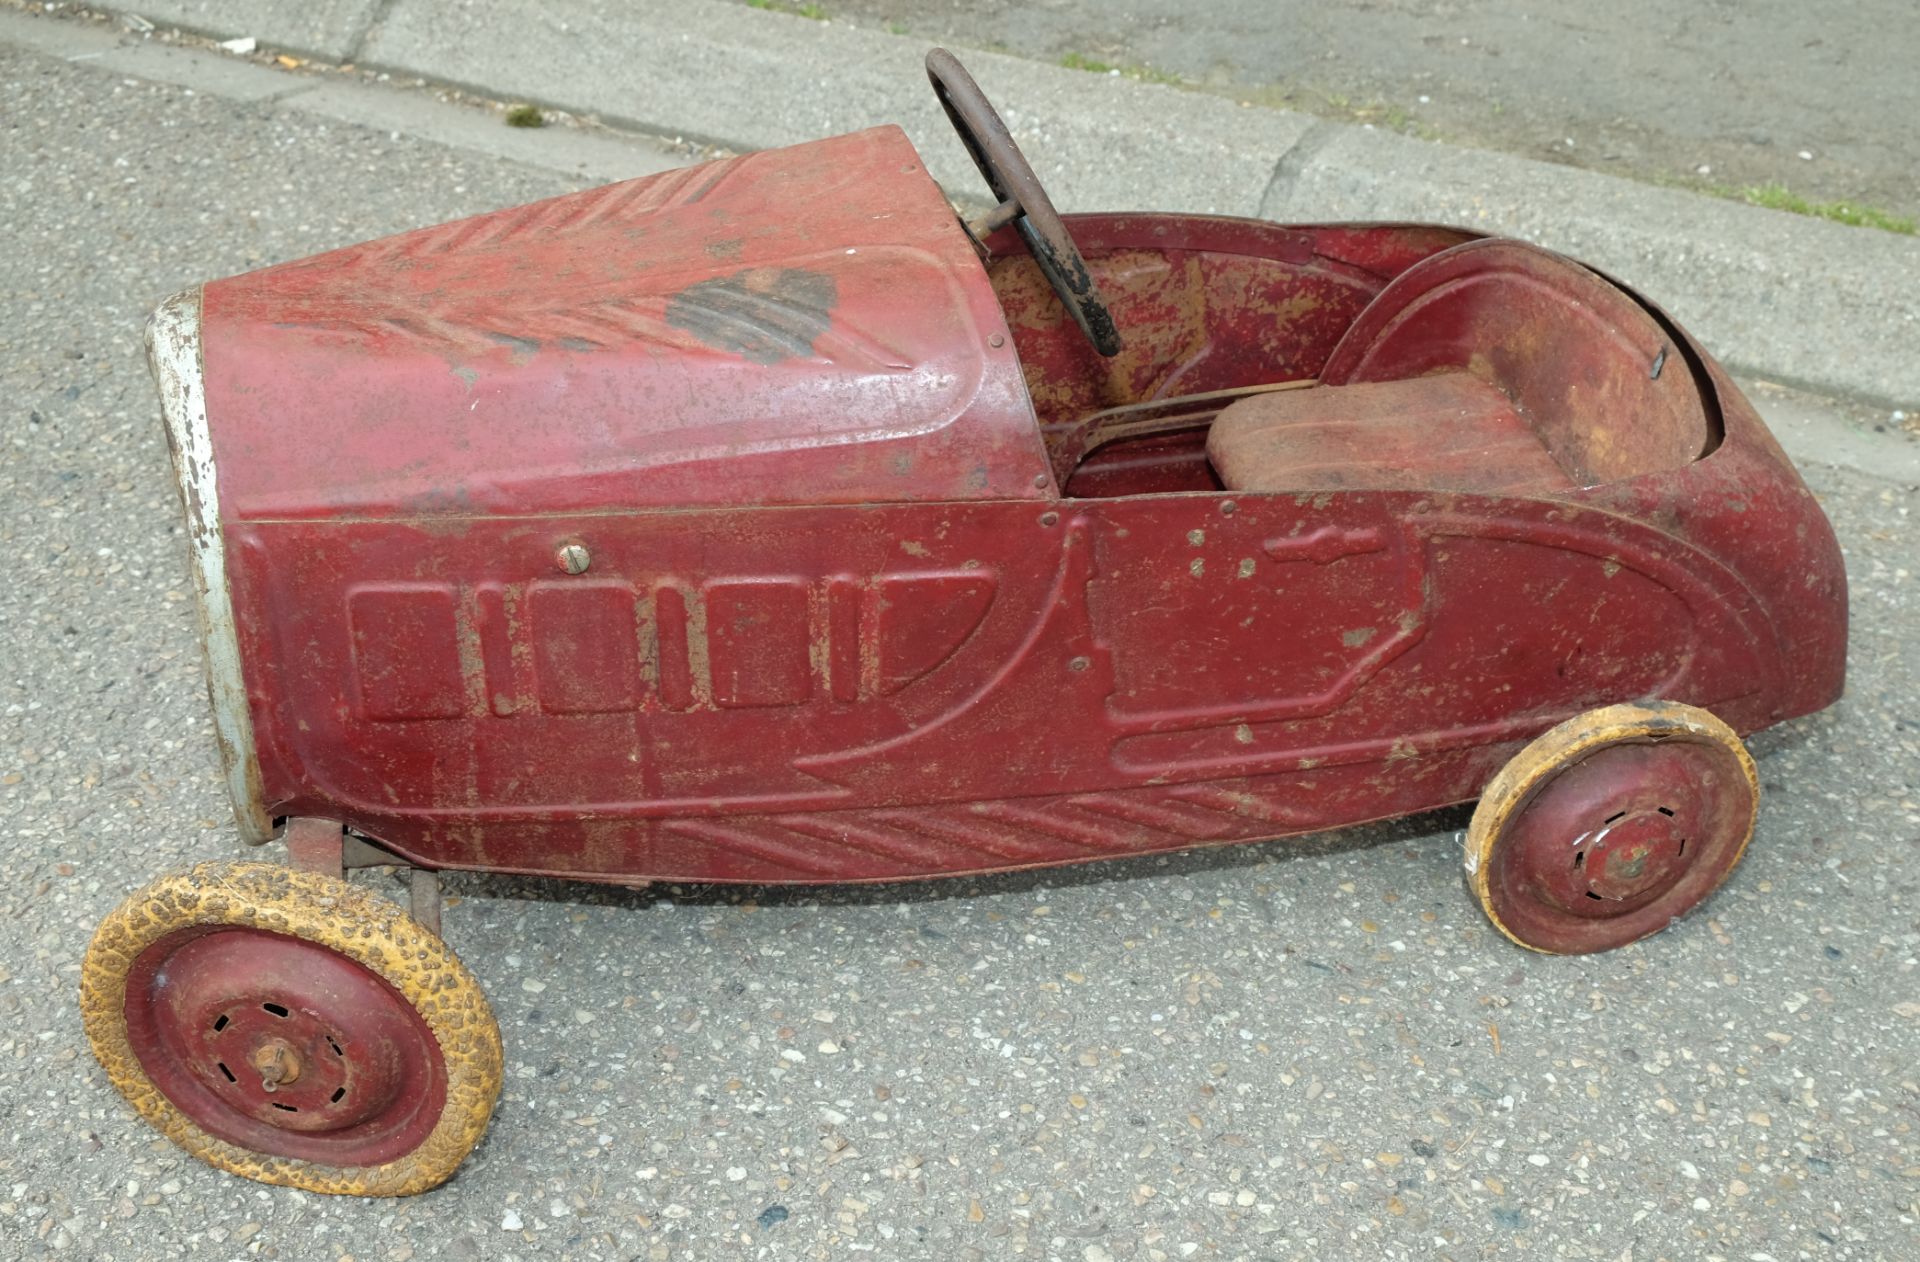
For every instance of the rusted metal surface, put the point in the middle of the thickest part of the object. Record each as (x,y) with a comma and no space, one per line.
(323,846)
(1210,304)
(840,622)
(1614,832)
(317,845)
(423,898)
(1024,204)
(758,523)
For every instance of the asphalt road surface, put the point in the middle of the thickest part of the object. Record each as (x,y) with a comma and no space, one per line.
(1313,1049)
(1820,98)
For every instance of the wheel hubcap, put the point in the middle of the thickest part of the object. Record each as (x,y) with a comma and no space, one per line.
(1612,846)
(284,1047)
(1638,855)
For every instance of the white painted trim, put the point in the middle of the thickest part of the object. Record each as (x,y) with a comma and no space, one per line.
(173,349)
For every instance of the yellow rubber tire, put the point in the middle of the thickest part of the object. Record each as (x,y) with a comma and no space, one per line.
(331,914)
(1610,826)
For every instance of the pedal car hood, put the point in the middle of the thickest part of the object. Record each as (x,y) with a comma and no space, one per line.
(804,325)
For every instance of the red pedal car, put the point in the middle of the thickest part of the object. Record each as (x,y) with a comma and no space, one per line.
(765,522)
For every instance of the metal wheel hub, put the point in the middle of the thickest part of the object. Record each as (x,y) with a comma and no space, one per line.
(1619,839)
(284,1046)
(1613,832)
(1637,856)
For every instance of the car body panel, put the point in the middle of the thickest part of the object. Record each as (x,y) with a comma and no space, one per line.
(792,621)
(903,658)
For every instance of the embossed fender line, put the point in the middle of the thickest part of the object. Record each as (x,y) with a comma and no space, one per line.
(173,350)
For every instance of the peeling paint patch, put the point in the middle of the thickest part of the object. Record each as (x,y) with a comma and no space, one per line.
(1197,567)
(764,314)
(522,348)
(1196,537)
(173,350)
(1359,635)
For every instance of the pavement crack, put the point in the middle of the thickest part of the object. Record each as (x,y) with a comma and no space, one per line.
(1294,162)
(362,30)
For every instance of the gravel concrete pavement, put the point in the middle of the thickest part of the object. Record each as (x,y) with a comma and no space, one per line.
(1310,1049)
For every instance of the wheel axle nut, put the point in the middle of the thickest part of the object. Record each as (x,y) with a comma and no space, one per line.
(277,1064)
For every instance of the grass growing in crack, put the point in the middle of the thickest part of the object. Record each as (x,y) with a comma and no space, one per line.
(1143,73)
(1080,61)
(810,11)
(1271,96)
(1777,196)
(525,116)
(1780,197)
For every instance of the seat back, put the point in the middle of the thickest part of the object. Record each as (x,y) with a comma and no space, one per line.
(1491,366)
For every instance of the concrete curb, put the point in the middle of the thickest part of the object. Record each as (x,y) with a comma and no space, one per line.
(1801,300)
(750,79)
(590,156)
(328,29)
(1833,308)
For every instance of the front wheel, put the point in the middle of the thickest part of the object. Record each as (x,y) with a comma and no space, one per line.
(1611,826)
(292,1028)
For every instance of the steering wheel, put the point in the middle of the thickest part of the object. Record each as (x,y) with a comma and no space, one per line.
(1022,201)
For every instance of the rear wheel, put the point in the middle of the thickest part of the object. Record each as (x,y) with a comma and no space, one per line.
(292,1028)
(1611,826)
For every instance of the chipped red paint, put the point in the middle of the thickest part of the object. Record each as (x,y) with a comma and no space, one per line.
(835,620)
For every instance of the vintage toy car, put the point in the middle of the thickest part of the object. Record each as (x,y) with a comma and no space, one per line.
(767,522)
